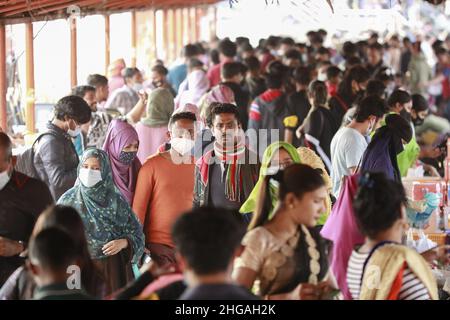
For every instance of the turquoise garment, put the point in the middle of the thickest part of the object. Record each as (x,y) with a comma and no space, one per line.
(105,213)
(78,143)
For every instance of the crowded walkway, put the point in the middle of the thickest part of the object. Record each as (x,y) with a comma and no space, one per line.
(283,171)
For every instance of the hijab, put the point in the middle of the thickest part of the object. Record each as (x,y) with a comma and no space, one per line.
(105,213)
(121,134)
(160,107)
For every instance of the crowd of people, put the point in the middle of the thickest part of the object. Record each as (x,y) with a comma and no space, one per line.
(270,172)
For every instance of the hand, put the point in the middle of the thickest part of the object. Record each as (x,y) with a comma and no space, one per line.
(143,96)
(439,254)
(310,291)
(431,170)
(114,247)
(10,248)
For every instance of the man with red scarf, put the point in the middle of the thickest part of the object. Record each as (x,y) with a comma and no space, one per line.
(228,171)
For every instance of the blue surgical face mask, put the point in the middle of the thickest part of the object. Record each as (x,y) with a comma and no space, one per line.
(127,157)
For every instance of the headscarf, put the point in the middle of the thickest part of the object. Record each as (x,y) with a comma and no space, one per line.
(381,153)
(197,84)
(121,134)
(220,93)
(160,107)
(105,213)
(250,205)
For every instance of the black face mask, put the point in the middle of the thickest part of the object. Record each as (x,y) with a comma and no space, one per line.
(418,121)
(406,115)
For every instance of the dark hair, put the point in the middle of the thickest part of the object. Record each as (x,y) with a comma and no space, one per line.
(181,116)
(353,61)
(231,69)
(376,46)
(242,41)
(68,219)
(398,96)
(357,73)
(370,106)
(323,50)
(323,32)
(97,80)
(6,144)
(378,203)
(129,72)
(319,93)
(252,63)
(349,49)
(214,54)
(190,50)
(160,69)
(219,108)
(296,178)
(274,81)
(375,88)
(73,107)
(302,75)
(272,41)
(293,54)
(52,249)
(276,67)
(316,38)
(195,63)
(333,72)
(208,238)
(245,47)
(288,41)
(441,51)
(419,103)
(81,91)
(227,48)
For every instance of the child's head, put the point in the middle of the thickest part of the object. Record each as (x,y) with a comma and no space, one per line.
(51,252)
(207,239)
(380,206)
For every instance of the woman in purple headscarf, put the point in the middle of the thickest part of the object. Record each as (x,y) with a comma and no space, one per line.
(121,145)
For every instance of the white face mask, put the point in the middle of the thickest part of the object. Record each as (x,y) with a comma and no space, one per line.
(74,133)
(138,87)
(4,179)
(90,178)
(182,145)
(322,76)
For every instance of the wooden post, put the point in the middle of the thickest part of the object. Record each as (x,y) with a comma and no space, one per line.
(107,44)
(193,23)
(172,35)
(187,26)
(73,52)
(30,97)
(179,23)
(155,43)
(165,25)
(198,17)
(214,23)
(133,39)
(3,105)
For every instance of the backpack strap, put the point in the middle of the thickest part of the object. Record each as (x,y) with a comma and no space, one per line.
(379,245)
(341,102)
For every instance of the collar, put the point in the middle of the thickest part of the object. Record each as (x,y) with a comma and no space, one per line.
(59,289)
(271,94)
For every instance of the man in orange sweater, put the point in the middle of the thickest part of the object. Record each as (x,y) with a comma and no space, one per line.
(165,188)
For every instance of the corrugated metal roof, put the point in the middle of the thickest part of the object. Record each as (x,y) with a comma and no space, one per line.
(51,9)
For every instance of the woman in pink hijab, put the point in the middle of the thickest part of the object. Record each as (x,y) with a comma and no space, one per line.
(121,145)
(192,89)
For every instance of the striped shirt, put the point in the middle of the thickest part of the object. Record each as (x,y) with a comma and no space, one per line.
(412,288)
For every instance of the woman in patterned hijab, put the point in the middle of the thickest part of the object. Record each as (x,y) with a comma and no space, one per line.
(114,234)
